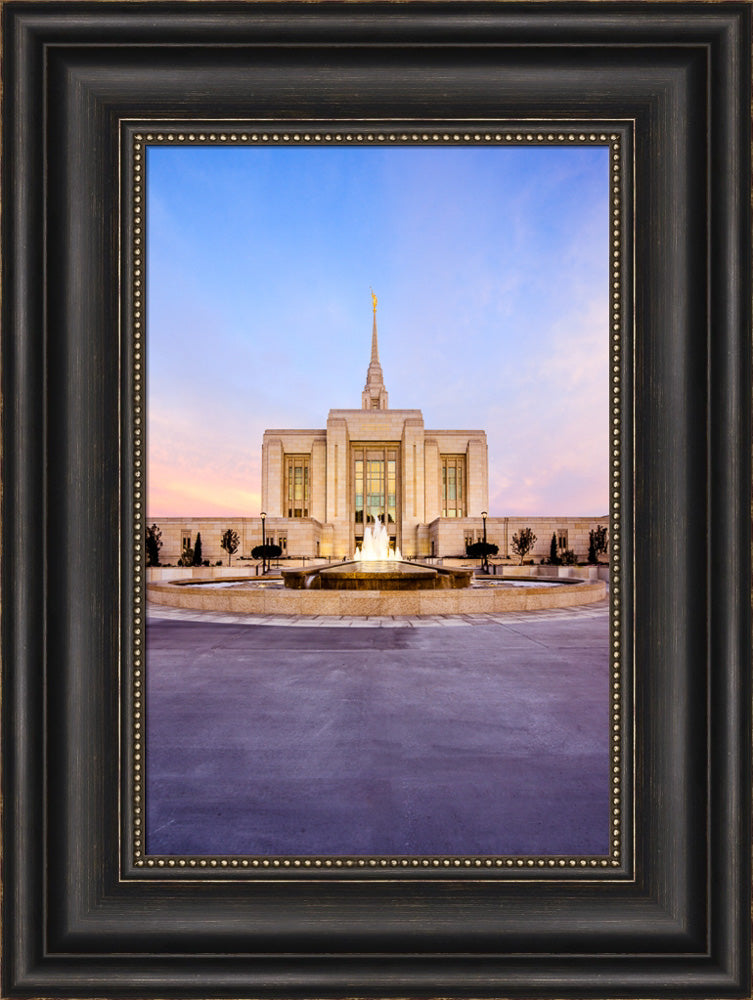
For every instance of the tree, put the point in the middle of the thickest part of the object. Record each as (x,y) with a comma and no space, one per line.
(554,556)
(600,543)
(266,552)
(153,545)
(186,557)
(479,550)
(229,542)
(522,543)
(592,557)
(197,550)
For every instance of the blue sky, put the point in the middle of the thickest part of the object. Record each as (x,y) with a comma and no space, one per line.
(491,269)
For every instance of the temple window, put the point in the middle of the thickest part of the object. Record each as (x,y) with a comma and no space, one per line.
(453,485)
(297,485)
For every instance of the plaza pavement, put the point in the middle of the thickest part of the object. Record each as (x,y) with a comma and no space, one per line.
(473,735)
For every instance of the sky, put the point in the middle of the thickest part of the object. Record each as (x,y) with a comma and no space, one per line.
(491,268)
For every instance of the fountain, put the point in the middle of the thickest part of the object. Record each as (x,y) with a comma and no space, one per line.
(375,566)
(376,546)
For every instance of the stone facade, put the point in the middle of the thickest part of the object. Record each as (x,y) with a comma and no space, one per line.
(321,488)
(570,532)
(304,537)
(298,538)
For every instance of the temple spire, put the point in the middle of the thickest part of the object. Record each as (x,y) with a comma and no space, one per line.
(374,395)
(374,343)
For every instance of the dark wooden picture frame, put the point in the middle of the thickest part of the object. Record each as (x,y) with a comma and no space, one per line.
(77,920)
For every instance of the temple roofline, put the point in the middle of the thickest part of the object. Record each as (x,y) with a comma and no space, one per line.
(392,413)
(297,430)
(461,431)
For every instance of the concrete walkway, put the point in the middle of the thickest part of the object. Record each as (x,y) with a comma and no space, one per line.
(458,737)
(161,612)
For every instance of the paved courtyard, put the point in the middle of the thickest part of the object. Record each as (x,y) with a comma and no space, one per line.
(456,736)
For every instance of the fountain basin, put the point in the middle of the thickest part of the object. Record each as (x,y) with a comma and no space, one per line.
(377,574)
(451,601)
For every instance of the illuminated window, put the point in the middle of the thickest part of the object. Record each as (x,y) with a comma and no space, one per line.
(297,485)
(391,486)
(358,472)
(374,485)
(374,488)
(453,485)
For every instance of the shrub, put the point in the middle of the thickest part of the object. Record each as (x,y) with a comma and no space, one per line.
(266,552)
(186,558)
(477,550)
(568,557)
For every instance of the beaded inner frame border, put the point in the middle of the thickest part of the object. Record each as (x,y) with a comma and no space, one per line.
(134,141)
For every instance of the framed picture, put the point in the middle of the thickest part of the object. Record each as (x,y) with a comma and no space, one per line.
(130,867)
(402,696)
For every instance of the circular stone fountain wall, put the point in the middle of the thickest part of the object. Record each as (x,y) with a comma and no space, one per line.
(452,601)
(377,583)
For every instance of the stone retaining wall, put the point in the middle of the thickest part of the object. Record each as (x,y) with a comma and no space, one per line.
(161,574)
(275,601)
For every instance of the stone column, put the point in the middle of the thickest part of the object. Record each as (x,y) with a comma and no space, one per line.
(432,480)
(412,468)
(318,485)
(272,476)
(477,472)
(338,506)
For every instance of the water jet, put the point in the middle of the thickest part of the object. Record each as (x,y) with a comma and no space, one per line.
(376,566)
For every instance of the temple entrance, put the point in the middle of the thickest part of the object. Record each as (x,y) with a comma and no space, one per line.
(375,489)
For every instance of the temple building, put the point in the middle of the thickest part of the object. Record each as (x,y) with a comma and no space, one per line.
(320,488)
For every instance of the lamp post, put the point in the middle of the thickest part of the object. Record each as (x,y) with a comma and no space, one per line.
(485,564)
(264,542)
